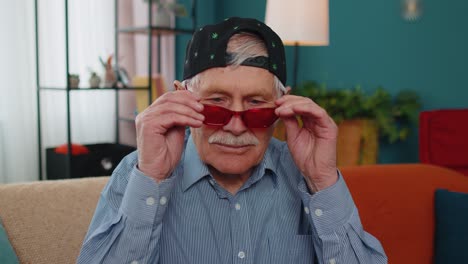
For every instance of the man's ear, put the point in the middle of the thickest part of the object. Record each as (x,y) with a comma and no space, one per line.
(179,86)
(288,90)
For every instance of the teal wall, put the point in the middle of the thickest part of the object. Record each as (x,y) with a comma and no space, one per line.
(371,45)
(208,12)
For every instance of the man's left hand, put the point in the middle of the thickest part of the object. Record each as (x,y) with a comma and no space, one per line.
(312,146)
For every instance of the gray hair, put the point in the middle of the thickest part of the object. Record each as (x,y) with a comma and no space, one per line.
(242,46)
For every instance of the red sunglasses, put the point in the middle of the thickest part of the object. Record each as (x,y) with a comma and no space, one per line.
(252,118)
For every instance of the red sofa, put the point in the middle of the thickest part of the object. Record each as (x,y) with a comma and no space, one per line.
(396,205)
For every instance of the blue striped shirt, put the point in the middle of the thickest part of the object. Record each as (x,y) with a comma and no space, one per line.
(190,218)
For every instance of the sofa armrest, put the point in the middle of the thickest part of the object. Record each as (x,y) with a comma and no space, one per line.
(396,204)
(47,221)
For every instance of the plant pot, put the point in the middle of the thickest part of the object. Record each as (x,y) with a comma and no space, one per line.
(94,81)
(280,131)
(357,142)
(74,81)
(162,18)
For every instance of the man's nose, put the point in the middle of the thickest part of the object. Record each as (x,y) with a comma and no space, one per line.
(236,125)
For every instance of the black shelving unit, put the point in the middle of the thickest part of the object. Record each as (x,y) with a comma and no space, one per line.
(68,162)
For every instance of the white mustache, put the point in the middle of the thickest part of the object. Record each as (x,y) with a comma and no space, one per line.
(231,140)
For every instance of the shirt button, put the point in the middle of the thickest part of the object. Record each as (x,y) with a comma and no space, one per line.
(134,262)
(306,210)
(318,212)
(237,206)
(163,200)
(211,182)
(241,254)
(149,201)
(332,261)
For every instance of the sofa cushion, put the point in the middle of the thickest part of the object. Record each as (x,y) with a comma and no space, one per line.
(46,221)
(442,138)
(7,254)
(396,205)
(451,237)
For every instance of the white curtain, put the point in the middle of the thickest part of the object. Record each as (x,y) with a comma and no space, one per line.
(91,35)
(18,140)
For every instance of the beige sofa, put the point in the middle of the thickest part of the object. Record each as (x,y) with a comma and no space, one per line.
(47,221)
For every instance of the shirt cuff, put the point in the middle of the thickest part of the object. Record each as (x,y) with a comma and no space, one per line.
(145,200)
(330,208)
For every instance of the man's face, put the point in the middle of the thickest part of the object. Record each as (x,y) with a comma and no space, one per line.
(234,148)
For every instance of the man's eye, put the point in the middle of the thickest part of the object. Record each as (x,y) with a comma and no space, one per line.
(256,102)
(216,100)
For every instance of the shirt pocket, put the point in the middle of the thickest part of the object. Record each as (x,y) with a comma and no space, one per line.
(288,249)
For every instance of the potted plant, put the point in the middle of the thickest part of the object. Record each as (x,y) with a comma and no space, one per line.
(364,118)
(74,80)
(165,10)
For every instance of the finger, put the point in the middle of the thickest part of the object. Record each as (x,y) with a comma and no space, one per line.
(319,115)
(160,111)
(304,107)
(175,120)
(289,100)
(293,99)
(288,97)
(160,117)
(150,125)
(181,97)
(292,127)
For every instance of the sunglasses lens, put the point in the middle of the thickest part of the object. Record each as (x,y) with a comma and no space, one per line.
(259,117)
(216,116)
(252,118)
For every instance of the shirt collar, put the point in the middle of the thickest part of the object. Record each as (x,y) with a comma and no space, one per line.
(195,169)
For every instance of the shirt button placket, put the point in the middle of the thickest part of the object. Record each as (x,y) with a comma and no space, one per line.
(163,200)
(240,230)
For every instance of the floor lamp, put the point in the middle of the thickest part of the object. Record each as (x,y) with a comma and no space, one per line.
(299,23)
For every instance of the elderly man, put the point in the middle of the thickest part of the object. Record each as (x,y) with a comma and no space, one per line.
(224,191)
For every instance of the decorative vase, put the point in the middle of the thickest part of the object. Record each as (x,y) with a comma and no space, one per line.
(74,81)
(94,81)
(162,17)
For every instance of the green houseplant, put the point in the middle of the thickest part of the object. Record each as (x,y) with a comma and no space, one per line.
(371,115)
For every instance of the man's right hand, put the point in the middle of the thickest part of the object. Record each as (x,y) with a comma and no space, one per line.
(160,132)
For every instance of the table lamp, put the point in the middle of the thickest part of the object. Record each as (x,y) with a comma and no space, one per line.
(299,23)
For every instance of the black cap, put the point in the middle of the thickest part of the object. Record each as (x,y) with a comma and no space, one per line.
(207,48)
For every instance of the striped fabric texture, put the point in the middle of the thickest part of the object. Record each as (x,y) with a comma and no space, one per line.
(189,218)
